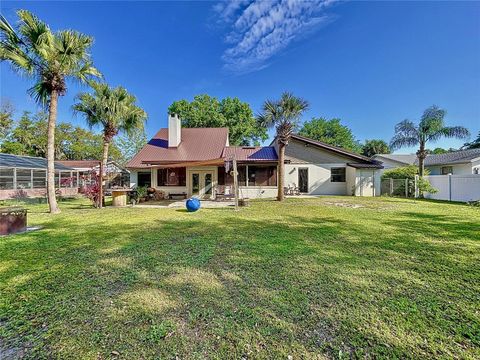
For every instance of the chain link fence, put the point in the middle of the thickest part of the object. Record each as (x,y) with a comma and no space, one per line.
(398,187)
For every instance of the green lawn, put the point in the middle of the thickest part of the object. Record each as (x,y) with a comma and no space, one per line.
(310,278)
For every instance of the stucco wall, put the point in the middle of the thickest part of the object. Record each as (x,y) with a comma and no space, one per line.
(458,169)
(300,153)
(318,178)
(258,192)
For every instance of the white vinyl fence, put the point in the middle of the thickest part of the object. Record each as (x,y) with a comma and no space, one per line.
(455,187)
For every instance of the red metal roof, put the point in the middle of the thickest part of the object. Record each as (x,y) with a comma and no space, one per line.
(251,153)
(197,144)
(79,163)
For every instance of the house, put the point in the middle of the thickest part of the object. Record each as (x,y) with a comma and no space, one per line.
(116,175)
(196,162)
(321,169)
(462,162)
(26,176)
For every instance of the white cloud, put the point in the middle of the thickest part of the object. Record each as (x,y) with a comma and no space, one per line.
(259,29)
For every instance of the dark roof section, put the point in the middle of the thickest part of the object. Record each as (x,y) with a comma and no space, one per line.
(332,148)
(197,144)
(366,166)
(406,159)
(28,162)
(251,153)
(455,157)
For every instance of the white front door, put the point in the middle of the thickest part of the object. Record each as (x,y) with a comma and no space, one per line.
(202,184)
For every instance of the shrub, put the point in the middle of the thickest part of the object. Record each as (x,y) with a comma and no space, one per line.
(142,192)
(404,172)
(409,172)
(92,190)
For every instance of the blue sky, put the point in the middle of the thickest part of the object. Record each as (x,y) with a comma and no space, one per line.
(372,64)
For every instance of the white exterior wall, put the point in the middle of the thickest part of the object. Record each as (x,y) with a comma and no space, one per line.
(455,187)
(458,169)
(318,178)
(258,192)
(351,181)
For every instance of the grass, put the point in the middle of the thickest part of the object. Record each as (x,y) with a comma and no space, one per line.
(310,278)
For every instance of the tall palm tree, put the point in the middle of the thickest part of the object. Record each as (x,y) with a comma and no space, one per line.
(430,128)
(283,114)
(112,108)
(50,59)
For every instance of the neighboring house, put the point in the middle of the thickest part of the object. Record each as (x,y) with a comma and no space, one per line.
(462,162)
(192,161)
(26,176)
(116,175)
(391,161)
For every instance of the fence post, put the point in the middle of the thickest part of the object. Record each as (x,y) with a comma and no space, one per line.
(416,187)
(406,187)
(391,186)
(449,187)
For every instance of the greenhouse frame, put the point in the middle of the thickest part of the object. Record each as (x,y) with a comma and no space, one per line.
(26,176)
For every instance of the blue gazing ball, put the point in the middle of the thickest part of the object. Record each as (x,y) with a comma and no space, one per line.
(193,204)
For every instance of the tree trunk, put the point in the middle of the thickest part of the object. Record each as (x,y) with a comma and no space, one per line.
(281,171)
(52,119)
(103,166)
(421,159)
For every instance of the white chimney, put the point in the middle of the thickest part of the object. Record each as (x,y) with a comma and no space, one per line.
(174,130)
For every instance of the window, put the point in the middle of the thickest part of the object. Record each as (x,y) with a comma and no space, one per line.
(337,174)
(227,179)
(144,179)
(171,177)
(257,176)
(447,170)
(262,175)
(6,179)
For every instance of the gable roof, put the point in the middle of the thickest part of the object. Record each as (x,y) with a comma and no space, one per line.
(334,149)
(455,157)
(28,162)
(197,144)
(251,153)
(407,159)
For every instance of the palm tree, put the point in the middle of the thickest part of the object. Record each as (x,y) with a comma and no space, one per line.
(50,59)
(430,128)
(284,115)
(112,108)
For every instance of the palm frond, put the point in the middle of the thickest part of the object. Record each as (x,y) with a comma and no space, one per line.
(34,30)
(40,93)
(18,58)
(400,140)
(7,32)
(406,134)
(112,108)
(457,132)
